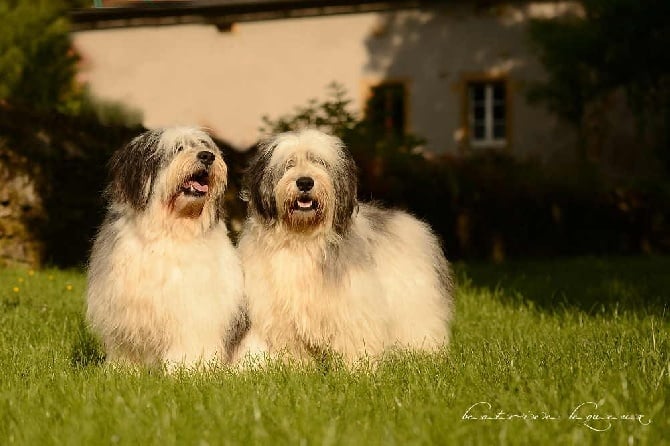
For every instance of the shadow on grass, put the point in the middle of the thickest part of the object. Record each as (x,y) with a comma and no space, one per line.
(86,349)
(593,285)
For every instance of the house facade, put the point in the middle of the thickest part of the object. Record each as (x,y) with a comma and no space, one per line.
(453,72)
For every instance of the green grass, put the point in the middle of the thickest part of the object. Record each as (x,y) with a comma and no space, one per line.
(529,338)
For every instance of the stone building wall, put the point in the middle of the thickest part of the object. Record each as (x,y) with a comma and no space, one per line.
(21,211)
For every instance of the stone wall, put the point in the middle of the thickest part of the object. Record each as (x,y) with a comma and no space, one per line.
(21,211)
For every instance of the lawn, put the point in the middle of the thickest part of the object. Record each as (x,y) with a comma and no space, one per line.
(544,346)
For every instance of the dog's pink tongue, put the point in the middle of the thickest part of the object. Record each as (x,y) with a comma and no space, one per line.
(199,187)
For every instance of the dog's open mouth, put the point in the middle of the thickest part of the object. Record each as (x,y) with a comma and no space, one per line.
(304,203)
(197,185)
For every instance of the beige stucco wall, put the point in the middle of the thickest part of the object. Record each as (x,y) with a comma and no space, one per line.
(193,74)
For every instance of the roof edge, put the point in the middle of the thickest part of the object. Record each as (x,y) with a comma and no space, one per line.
(223,15)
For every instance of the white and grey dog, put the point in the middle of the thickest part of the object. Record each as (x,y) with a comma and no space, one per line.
(165,284)
(326,273)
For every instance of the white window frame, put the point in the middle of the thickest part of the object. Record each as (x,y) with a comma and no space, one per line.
(489,140)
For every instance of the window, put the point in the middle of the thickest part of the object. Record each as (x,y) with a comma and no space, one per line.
(487,114)
(386,108)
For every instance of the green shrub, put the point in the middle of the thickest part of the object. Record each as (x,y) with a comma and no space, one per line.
(615,46)
(37,62)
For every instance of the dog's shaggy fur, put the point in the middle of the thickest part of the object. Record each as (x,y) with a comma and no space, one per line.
(165,283)
(326,273)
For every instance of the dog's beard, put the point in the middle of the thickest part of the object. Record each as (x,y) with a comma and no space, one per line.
(187,206)
(304,212)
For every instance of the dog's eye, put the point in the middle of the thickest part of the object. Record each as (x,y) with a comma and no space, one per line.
(290,164)
(316,160)
(180,147)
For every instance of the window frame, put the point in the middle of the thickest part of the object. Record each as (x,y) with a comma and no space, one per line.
(370,85)
(467,125)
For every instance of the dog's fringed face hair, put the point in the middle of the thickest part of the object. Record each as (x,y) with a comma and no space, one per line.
(179,168)
(305,180)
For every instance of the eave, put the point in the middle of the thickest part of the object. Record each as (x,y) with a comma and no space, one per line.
(222,14)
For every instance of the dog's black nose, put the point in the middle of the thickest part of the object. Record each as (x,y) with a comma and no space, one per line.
(304,184)
(206,157)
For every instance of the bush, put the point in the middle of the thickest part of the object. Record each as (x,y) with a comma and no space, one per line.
(615,46)
(37,62)
(495,206)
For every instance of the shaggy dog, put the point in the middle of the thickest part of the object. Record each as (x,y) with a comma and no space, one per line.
(326,273)
(165,283)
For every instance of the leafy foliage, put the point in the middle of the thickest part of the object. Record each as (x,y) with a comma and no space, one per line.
(616,45)
(332,115)
(37,62)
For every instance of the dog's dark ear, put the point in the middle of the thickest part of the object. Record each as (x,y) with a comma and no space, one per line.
(133,170)
(346,182)
(259,185)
